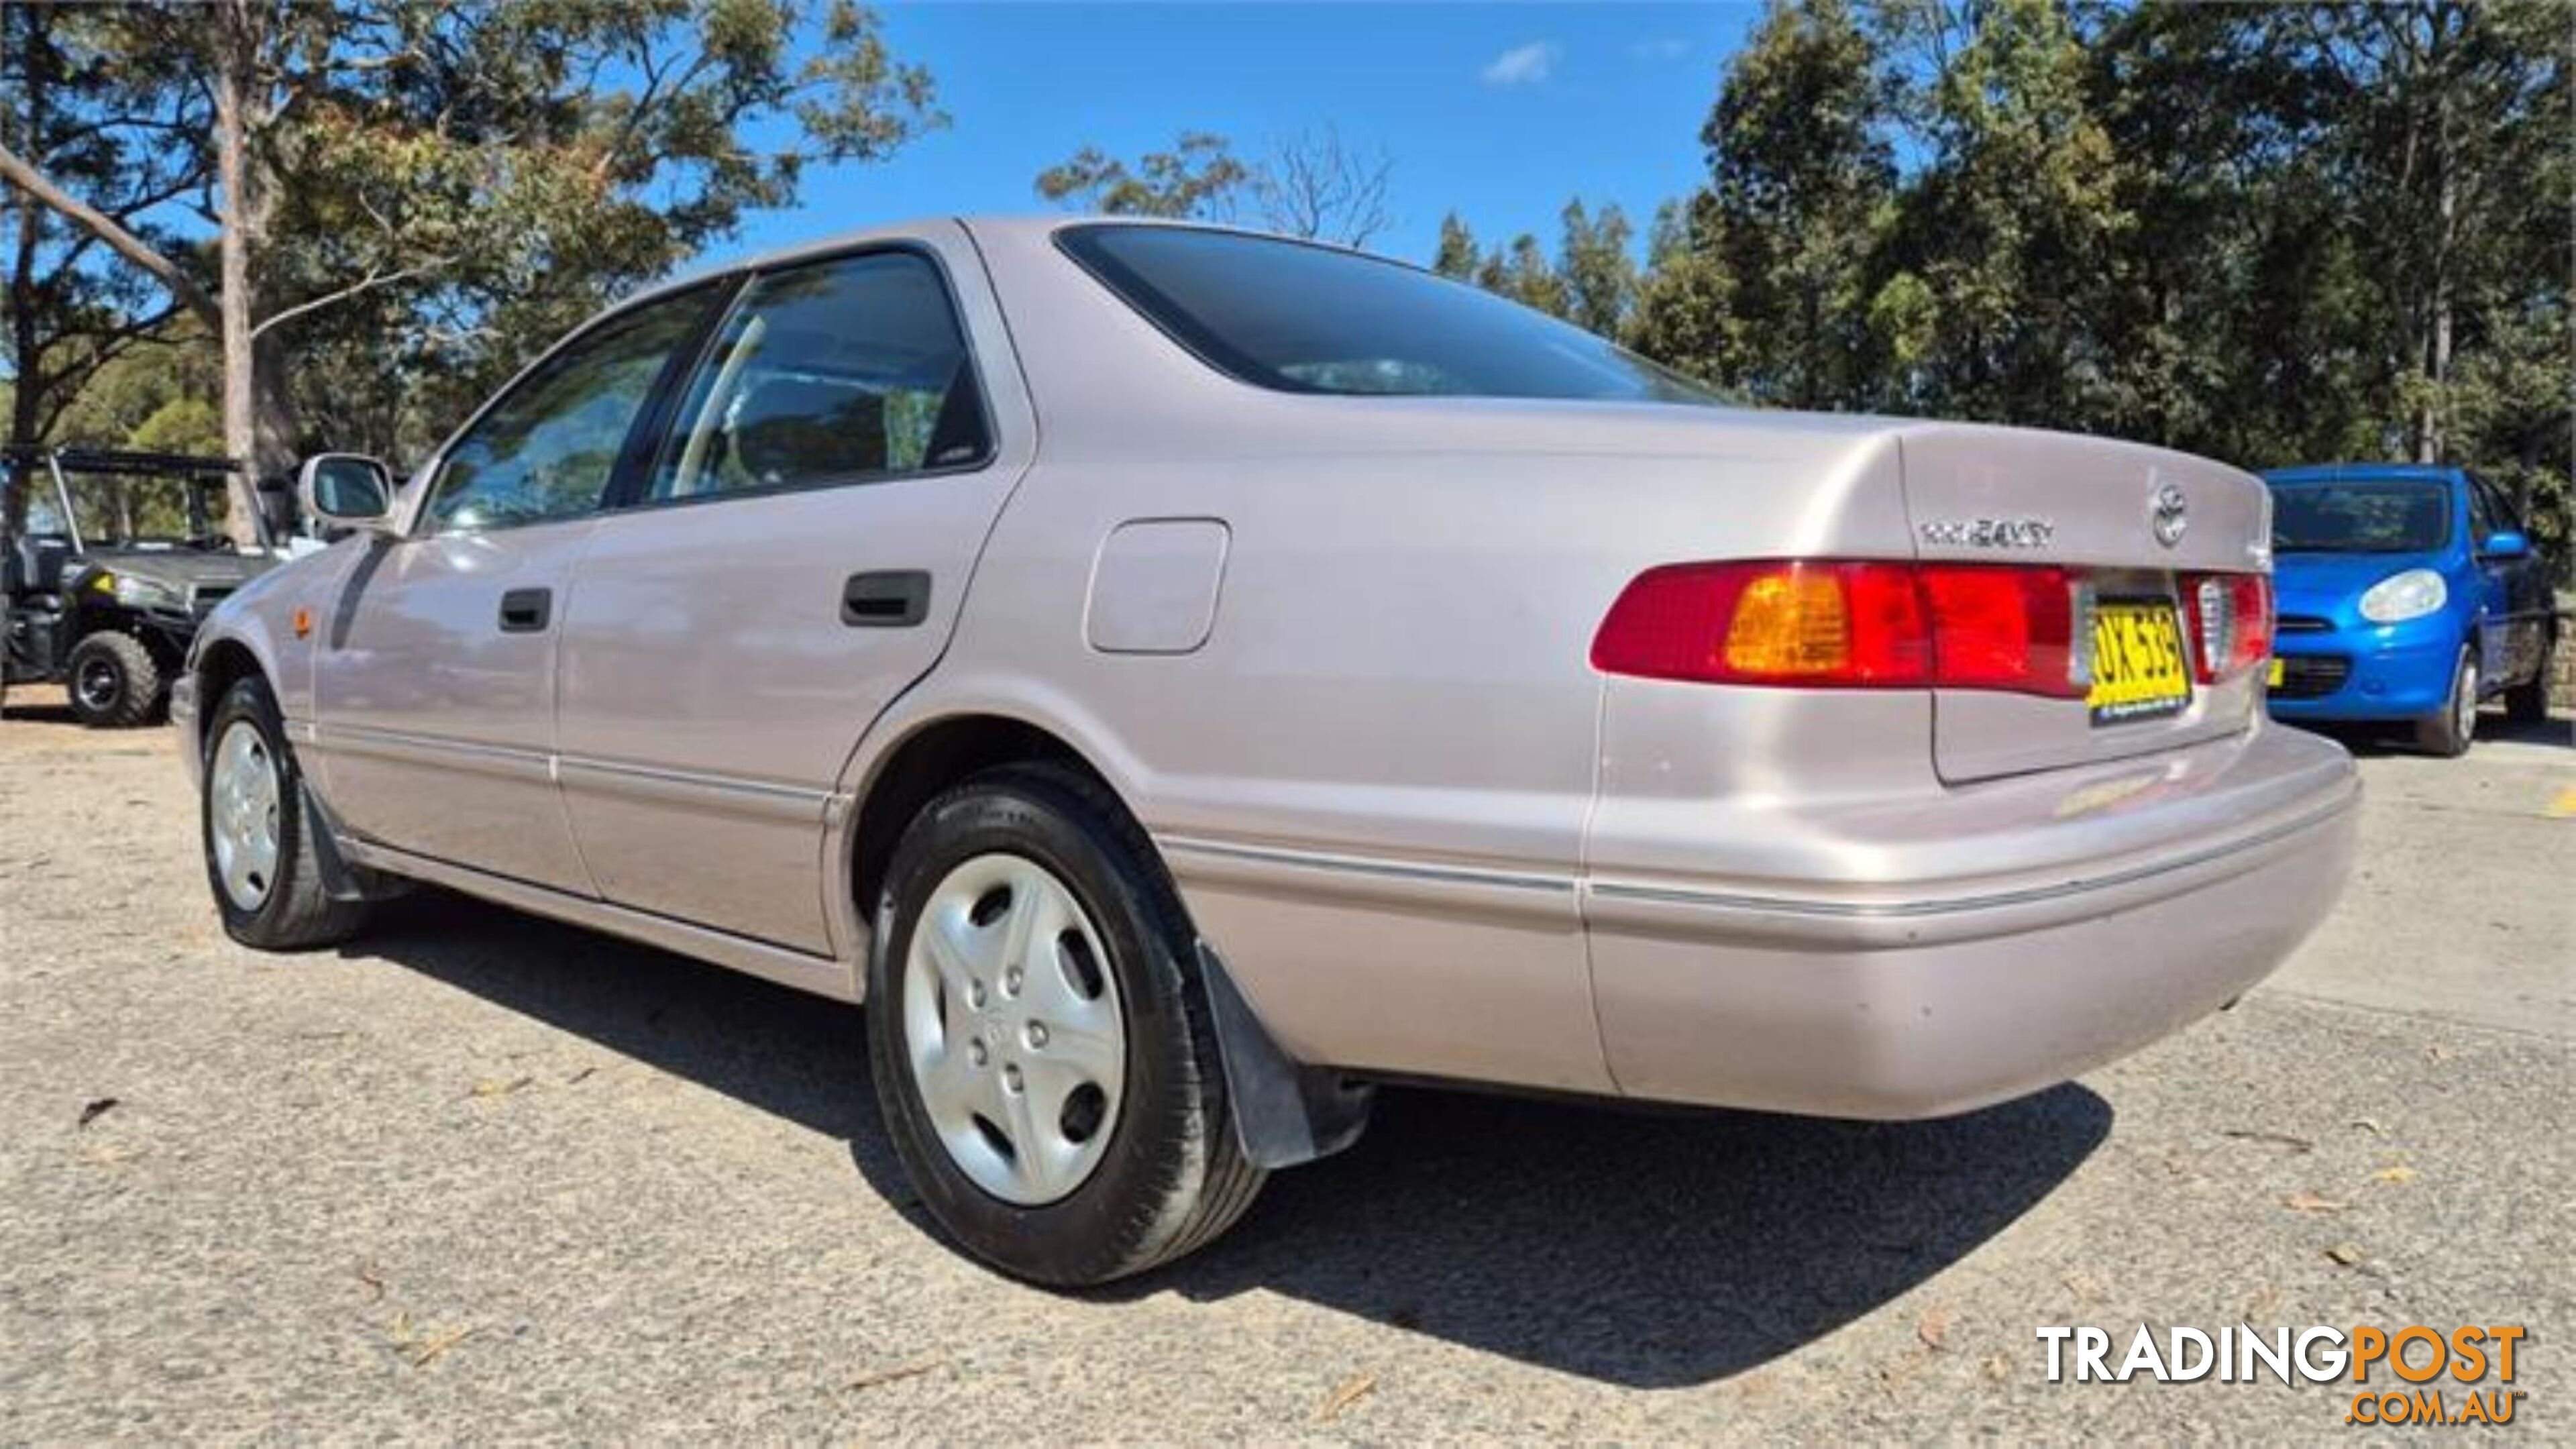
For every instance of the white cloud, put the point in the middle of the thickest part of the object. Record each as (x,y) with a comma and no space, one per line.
(1522,65)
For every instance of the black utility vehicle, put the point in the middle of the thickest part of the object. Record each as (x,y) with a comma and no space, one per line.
(121,556)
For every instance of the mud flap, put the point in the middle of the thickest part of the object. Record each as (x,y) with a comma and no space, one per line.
(1285,1112)
(341,881)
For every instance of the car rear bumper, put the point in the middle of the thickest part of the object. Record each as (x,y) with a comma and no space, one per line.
(2183,886)
(2370,673)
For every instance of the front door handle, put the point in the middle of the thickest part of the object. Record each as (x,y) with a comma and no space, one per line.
(886,599)
(525,611)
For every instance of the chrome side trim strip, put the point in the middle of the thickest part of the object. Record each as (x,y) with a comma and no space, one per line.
(686,789)
(1367,865)
(1956,905)
(431,750)
(821,975)
(722,792)
(730,784)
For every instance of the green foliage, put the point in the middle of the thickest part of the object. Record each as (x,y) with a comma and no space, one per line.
(159,396)
(1199,177)
(1598,274)
(438,190)
(1457,256)
(2271,234)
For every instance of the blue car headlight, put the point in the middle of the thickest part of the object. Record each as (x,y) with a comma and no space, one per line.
(2400,597)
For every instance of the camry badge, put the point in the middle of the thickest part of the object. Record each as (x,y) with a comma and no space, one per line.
(1989,532)
(2170,514)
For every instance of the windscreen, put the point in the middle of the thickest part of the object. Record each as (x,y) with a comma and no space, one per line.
(2381,516)
(127,511)
(1305,318)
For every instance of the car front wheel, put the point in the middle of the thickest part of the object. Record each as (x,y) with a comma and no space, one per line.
(115,682)
(1040,1038)
(259,848)
(2448,734)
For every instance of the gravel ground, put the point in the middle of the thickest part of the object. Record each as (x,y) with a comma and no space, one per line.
(480,1176)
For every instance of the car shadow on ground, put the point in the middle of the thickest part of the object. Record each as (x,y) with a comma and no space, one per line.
(1642,1249)
(2372,741)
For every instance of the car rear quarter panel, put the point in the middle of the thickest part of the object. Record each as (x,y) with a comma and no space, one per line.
(1372,780)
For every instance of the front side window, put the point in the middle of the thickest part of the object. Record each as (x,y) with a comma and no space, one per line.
(548,448)
(2393,516)
(834,372)
(1298,317)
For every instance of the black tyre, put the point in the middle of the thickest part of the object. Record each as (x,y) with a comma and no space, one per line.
(1040,1037)
(115,682)
(257,834)
(2449,733)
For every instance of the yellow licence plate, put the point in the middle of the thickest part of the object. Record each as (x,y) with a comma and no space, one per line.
(2275,677)
(2138,667)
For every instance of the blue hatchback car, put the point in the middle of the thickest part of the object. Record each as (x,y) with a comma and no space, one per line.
(2406,592)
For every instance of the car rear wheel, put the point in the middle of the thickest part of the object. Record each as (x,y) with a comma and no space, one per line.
(115,682)
(2449,733)
(1040,1038)
(259,847)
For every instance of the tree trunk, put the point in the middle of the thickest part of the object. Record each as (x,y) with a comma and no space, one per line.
(26,348)
(238,210)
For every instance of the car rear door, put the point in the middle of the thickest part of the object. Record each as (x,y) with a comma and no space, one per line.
(434,685)
(791,560)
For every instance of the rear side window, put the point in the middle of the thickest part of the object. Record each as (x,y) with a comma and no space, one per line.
(1304,318)
(838,371)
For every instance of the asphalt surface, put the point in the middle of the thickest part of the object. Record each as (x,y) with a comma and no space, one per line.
(479,1176)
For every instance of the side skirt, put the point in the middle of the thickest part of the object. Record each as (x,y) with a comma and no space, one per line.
(820,975)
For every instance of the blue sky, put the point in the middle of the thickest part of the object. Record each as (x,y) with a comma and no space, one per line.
(1502,112)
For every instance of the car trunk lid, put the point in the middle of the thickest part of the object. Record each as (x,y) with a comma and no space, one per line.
(2135,525)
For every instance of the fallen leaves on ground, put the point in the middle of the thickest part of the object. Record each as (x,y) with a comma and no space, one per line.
(2309,1202)
(2395,1173)
(1934,1329)
(421,1347)
(2274,1139)
(373,1277)
(2346,1254)
(1358,1387)
(97,1108)
(893,1375)
(500,1086)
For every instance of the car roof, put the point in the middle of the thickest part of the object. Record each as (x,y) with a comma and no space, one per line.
(2363,473)
(984,225)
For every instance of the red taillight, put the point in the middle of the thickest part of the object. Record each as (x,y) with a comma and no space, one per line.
(1838,624)
(2231,623)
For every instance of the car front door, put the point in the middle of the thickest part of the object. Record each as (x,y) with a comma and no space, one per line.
(792,559)
(2517,590)
(434,686)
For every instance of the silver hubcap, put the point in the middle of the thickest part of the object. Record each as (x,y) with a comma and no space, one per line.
(2465,709)
(241,814)
(1012,1025)
(98,684)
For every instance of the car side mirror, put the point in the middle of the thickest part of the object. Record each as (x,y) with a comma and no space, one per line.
(2506,543)
(347,490)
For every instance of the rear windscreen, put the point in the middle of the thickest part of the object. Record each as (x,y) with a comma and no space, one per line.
(1305,318)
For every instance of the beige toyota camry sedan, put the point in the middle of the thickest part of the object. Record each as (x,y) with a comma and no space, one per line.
(1179,677)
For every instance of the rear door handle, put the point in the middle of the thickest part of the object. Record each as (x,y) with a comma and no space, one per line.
(525,611)
(886,599)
